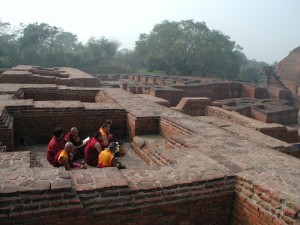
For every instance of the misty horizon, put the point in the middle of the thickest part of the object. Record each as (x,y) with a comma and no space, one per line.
(267,31)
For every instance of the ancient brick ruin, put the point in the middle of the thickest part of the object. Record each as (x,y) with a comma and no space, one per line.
(288,70)
(188,160)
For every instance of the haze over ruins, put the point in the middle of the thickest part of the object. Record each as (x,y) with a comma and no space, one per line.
(199,150)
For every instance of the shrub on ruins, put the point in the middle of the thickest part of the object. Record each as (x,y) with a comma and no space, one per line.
(188,47)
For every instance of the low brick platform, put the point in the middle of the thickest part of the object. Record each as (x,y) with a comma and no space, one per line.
(38,75)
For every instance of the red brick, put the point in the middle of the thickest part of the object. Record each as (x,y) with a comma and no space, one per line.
(287,220)
(265,197)
(267,216)
(247,193)
(290,213)
(252,205)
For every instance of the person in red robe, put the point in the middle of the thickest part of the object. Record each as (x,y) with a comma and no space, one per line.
(72,136)
(93,149)
(55,145)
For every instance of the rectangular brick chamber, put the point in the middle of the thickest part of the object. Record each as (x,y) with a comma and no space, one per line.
(138,125)
(35,126)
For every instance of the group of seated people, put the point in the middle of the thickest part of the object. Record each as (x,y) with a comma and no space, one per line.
(99,151)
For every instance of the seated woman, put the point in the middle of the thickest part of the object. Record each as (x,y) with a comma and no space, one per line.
(62,158)
(92,149)
(107,157)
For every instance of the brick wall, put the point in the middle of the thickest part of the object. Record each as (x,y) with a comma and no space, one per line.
(103,98)
(214,91)
(130,77)
(151,80)
(141,125)
(144,79)
(291,84)
(175,134)
(45,94)
(274,130)
(252,91)
(283,117)
(194,106)
(256,205)
(208,202)
(7,130)
(173,96)
(36,79)
(275,93)
(123,86)
(137,78)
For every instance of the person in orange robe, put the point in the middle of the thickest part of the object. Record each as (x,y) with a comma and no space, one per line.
(107,159)
(106,136)
(55,145)
(62,158)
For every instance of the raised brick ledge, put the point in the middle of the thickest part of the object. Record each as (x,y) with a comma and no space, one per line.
(22,206)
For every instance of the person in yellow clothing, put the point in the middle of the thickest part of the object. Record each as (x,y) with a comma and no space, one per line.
(62,158)
(107,159)
(106,136)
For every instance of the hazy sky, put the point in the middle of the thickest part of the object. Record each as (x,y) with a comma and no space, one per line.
(267,29)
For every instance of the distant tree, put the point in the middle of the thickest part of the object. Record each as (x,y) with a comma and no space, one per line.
(9,51)
(188,47)
(128,58)
(45,45)
(101,49)
(35,43)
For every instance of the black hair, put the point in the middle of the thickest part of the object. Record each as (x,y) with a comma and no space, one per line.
(57,132)
(113,146)
(97,134)
(105,124)
(108,122)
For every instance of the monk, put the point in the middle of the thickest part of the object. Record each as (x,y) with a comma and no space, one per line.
(55,145)
(107,157)
(62,158)
(106,136)
(72,136)
(92,149)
